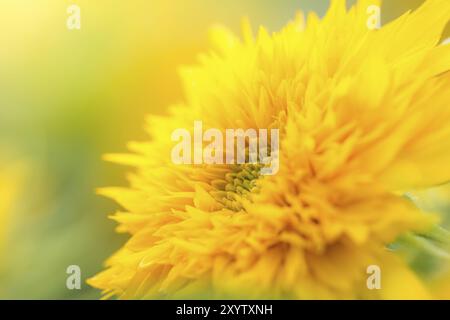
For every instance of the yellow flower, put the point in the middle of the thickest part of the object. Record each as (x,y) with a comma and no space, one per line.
(363,117)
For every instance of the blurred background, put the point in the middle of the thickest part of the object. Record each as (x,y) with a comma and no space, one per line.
(69,96)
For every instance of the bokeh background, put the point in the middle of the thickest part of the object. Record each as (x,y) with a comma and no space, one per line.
(69,96)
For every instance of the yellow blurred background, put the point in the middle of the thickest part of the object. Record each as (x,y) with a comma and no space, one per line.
(69,96)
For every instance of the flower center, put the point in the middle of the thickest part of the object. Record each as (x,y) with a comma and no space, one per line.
(237,185)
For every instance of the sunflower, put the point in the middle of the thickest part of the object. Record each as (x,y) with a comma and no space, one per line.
(363,117)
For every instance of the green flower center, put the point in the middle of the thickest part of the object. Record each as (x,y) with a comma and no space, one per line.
(238,184)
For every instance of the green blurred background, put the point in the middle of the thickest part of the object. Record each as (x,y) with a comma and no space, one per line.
(69,96)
